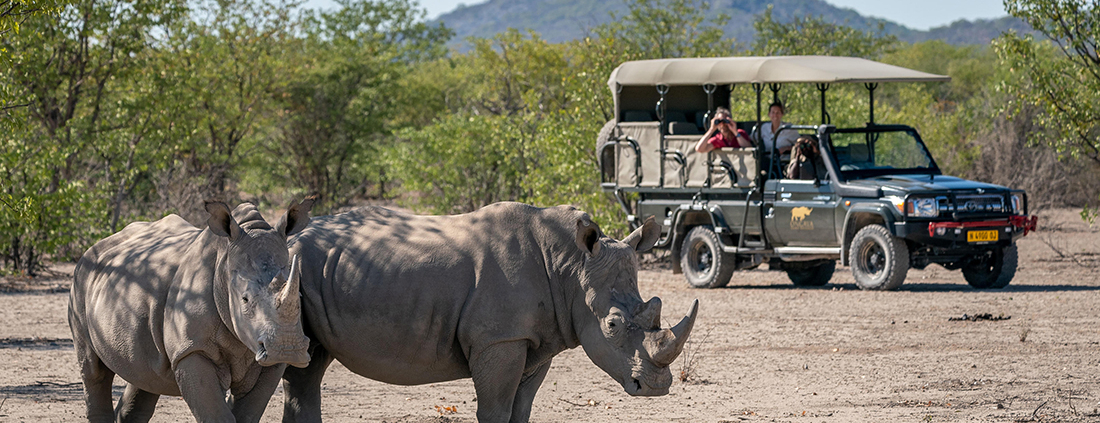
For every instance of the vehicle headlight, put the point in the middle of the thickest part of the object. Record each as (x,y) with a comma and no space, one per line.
(1017,204)
(922,207)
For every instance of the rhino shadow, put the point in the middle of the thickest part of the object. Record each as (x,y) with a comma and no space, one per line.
(46,391)
(37,344)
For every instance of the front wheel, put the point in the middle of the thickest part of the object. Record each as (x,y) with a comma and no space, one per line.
(817,273)
(704,263)
(879,260)
(993,269)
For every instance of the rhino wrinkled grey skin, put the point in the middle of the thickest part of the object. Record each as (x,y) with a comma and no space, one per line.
(492,295)
(174,310)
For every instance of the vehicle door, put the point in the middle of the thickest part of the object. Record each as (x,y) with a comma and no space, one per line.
(800,213)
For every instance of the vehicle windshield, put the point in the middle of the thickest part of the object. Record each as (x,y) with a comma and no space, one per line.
(866,152)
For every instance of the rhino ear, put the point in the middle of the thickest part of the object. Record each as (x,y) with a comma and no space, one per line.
(296,217)
(221,220)
(588,235)
(643,238)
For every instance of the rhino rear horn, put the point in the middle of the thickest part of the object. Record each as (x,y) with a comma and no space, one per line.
(672,340)
(648,314)
(643,238)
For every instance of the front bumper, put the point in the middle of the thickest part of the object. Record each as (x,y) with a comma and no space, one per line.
(956,235)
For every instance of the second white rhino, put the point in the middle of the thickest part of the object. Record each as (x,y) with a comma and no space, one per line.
(491,295)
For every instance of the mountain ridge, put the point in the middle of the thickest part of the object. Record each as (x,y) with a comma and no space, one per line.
(563,20)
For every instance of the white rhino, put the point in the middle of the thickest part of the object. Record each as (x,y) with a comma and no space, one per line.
(175,310)
(492,295)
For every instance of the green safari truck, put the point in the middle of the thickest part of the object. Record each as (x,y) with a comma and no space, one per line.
(876,200)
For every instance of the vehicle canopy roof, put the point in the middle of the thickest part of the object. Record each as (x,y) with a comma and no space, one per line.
(765,70)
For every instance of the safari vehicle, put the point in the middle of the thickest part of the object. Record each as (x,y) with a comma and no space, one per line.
(877,203)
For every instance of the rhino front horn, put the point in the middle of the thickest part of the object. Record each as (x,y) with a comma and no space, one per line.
(285,303)
(673,340)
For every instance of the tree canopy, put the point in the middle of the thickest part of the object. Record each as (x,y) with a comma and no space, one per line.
(129,110)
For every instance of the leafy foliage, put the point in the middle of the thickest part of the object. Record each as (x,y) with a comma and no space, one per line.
(342,99)
(84,136)
(1060,75)
(813,35)
(133,109)
(1065,85)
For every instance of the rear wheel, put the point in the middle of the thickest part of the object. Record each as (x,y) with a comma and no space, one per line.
(994,269)
(879,260)
(704,263)
(813,273)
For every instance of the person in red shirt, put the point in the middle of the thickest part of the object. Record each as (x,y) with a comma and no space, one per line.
(723,132)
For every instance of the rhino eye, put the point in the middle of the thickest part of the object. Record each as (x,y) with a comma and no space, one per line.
(615,324)
(245,299)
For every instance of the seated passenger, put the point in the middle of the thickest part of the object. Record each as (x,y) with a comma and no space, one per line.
(722,133)
(768,130)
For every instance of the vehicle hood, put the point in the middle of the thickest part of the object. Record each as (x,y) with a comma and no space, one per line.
(915,184)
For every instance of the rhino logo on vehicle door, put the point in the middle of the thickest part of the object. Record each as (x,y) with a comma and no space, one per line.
(799,221)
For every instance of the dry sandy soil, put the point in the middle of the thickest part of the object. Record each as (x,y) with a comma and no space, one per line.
(762,350)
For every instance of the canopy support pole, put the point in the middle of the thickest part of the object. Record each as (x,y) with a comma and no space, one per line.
(662,89)
(871,91)
(757,190)
(775,91)
(759,88)
(709,89)
(825,118)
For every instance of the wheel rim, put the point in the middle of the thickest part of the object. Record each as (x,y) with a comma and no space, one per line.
(872,258)
(985,265)
(702,258)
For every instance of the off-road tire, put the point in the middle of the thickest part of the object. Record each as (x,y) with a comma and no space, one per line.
(702,259)
(879,260)
(814,273)
(995,272)
(603,138)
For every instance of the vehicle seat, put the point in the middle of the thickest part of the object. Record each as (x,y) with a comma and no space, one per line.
(675,116)
(858,157)
(683,128)
(859,153)
(638,116)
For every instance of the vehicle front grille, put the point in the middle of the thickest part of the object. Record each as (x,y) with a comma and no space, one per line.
(974,204)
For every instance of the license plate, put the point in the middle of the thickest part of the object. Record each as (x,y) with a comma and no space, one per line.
(982,236)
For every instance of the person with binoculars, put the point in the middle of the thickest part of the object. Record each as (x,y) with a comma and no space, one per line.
(723,132)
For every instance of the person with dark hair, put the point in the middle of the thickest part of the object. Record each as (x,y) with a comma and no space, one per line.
(768,129)
(805,159)
(723,132)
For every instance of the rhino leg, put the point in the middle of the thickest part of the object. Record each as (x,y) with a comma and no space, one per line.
(250,406)
(136,405)
(302,387)
(201,388)
(97,380)
(497,371)
(525,395)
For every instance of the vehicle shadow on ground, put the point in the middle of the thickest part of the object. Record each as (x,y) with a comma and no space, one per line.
(928,287)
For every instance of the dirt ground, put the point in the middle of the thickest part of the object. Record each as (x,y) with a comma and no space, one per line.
(762,350)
